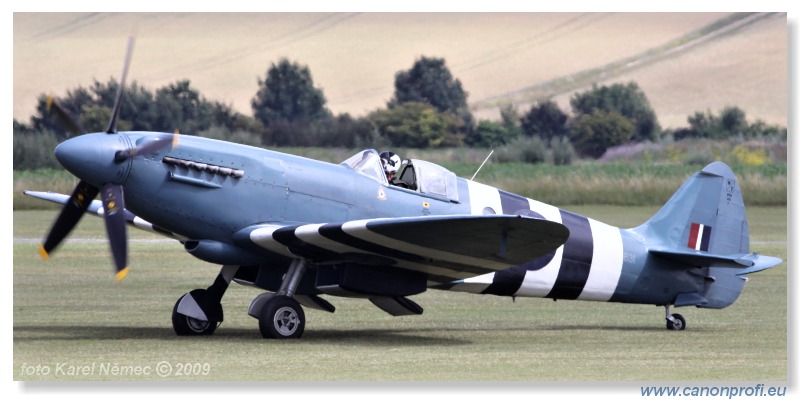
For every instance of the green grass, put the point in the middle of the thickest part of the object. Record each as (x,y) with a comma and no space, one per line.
(619,183)
(70,310)
(584,183)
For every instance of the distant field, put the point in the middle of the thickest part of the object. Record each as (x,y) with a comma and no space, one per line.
(353,57)
(68,311)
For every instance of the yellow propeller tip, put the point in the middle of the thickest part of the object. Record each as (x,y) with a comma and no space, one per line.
(175,138)
(121,274)
(43,253)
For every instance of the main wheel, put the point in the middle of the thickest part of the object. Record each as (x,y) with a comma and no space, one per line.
(677,322)
(281,317)
(188,326)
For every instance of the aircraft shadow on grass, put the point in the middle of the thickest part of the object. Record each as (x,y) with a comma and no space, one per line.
(364,336)
(406,337)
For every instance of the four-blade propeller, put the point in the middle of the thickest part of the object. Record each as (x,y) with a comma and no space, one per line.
(111,192)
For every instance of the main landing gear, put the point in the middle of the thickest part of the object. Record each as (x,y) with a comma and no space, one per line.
(674,321)
(280,316)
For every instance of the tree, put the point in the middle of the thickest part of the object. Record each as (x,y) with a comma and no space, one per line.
(340,131)
(344,131)
(95,118)
(417,125)
(510,119)
(733,121)
(182,108)
(700,125)
(627,100)
(175,106)
(730,122)
(596,132)
(761,129)
(138,108)
(288,94)
(489,134)
(47,120)
(546,120)
(430,81)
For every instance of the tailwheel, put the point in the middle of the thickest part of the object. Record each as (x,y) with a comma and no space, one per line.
(281,317)
(676,322)
(195,325)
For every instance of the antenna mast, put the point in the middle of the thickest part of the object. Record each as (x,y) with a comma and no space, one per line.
(479,168)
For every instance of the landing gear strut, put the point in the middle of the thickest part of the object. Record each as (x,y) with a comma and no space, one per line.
(199,313)
(674,321)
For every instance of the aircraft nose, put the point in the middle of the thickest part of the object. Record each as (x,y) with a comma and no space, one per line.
(91,157)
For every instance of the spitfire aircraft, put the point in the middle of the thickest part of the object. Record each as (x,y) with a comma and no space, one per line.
(300,229)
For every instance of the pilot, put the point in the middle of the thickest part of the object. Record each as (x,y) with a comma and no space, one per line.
(391,163)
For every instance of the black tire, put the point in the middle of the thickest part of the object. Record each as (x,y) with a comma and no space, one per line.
(677,322)
(281,317)
(186,326)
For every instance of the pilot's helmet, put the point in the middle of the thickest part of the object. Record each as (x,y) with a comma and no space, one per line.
(390,161)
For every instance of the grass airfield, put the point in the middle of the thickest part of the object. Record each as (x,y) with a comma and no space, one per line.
(74,322)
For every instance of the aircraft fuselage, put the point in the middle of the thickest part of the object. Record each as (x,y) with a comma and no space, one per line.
(208,189)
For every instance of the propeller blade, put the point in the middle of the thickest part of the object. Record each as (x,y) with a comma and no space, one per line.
(72,212)
(112,124)
(113,207)
(72,125)
(148,147)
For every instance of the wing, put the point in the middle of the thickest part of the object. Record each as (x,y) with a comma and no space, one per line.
(96,208)
(447,248)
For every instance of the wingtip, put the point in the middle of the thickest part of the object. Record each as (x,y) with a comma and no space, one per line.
(121,274)
(43,252)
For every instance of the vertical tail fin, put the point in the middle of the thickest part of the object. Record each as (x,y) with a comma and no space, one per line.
(706,214)
(704,226)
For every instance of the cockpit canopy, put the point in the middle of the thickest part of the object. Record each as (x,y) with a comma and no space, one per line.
(367,163)
(416,175)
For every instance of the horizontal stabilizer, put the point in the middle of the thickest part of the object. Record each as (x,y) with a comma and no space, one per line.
(751,262)
(760,263)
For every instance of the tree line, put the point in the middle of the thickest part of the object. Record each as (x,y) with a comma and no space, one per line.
(429,109)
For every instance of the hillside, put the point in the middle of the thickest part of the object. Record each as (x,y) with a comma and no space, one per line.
(353,57)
